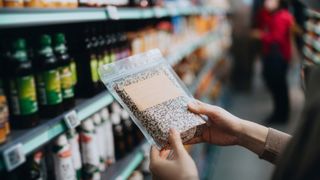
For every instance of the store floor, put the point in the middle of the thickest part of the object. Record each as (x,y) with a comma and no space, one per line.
(237,163)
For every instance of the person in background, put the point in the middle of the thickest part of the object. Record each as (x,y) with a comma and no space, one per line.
(274,25)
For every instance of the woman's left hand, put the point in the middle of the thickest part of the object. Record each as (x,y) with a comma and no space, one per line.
(179,168)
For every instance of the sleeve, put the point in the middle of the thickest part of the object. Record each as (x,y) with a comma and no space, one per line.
(277,33)
(275,143)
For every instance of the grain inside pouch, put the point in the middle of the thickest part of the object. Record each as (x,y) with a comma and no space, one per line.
(149,89)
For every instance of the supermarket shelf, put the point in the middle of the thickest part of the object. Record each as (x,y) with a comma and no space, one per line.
(175,58)
(34,138)
(311,56)
(312,42)
(31,139)
(28,17)
(204,71)
(313,7)
(123,169)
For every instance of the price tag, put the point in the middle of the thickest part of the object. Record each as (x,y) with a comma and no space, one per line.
(14,156)
(71,119)
(113,12)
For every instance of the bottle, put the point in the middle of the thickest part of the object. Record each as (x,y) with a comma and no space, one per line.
(87,67)
(100,140)
(73,140)
(48,80)
(109,143)
(128,130)
(119,139)
(4,109)
(73,67)
(35,167)
(90,153)
(62,159)
(95,57)
(4,115)
(65,70)
(21,88)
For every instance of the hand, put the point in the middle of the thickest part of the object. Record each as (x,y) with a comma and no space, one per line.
(222,127)
(225,129)
(179,168)
(257,34)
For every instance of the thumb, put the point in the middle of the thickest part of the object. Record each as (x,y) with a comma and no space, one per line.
(176,142)
(199,107)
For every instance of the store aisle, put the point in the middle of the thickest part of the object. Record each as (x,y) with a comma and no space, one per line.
(235,163)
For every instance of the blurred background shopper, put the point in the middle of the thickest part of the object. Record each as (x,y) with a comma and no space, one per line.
(274,23)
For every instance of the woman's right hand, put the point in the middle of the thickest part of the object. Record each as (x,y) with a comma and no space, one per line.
(226,129)
(222,127)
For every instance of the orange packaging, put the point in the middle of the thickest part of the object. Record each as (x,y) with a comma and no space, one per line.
(3,119)
(33,3)
(1,3)
(13,3)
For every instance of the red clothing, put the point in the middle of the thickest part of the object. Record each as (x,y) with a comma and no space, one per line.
(276,29)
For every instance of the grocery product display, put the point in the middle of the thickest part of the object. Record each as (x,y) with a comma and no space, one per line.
(58,120)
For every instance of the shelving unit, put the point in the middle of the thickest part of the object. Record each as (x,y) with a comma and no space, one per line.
(124,168)
(26,17)
(32,139)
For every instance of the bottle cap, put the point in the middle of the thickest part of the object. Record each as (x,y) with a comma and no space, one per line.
(125,115)
(87,125)
(45,40)
(61,140)
(104,113)
(115,118)
(19,50)
(59,38)
(115,108)
(19,44)
(96,119)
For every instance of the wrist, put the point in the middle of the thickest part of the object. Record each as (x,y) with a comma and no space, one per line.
(252,136)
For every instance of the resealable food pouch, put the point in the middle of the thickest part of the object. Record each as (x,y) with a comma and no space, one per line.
(156,99)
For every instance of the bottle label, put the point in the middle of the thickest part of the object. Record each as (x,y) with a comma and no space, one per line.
(66,82)
(100,63)
(76,156)
(49,87)
(63,164)
(74,72)
(23,95)
(90,154)
(113,57)
(94,70)
(106,58)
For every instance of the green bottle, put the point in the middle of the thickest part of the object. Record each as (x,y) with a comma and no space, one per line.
(48,79)
(65,70)
(21,88)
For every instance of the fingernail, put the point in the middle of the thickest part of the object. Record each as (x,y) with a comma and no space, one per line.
(192,104)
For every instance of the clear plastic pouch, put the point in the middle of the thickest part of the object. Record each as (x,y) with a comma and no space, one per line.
(156,99)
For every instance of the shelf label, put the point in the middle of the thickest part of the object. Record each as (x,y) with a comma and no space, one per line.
(113,12)
(173,10)
(71,119)
(14,156)
(158,12)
